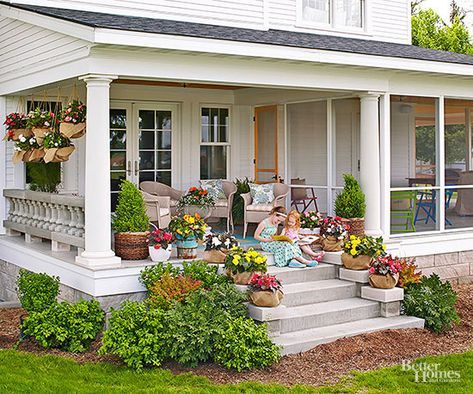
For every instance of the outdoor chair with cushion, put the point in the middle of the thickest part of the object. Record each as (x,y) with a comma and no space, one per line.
(162,190)
(158,209)
(255,213)
(224,203)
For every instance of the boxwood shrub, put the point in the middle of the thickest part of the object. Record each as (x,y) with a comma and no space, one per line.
(36,292)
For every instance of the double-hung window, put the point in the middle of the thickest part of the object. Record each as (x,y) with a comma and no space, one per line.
(341,14)
(214,142)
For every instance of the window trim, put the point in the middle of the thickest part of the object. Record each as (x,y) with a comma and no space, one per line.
(227,144)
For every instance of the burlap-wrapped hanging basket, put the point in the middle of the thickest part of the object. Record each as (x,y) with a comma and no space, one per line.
(34,155)
(241,278)
(71,130)
(16,133)
(356,263)
(332,244)
(356,226)
(214,256)
(383,281)
(58,155)
(132,246)
(40,133)
(18,156)
(266,298)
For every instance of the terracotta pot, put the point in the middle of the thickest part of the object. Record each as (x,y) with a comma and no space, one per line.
(332,244)
(357,226)
(58,155)
(132,246)
(161,254)
(241,278)
(71,130)
(214,256)
(266,298)
(383,281)
(356,263)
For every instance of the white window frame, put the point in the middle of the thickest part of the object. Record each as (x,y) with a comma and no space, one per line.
(226,144)
(330,26)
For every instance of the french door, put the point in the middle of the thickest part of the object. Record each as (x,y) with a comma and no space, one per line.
(142,137)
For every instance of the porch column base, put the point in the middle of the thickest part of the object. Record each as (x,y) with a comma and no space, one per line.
(102,260)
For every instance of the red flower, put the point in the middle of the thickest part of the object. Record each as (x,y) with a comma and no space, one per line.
(193,189)
(167,236)
(157,246)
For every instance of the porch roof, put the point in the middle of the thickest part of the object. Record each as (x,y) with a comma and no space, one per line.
(272,37)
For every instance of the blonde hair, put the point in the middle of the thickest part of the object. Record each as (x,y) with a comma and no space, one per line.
(297,216)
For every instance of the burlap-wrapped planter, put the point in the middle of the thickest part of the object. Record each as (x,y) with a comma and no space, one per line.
(266,298)
(71,130)
(241,278)
(332,244)
(18,156)
(34,155)
(356,263)
(17,132)
(58,155)
(40,132)
(356,226)
(383,281)
(132,246)
(214,256)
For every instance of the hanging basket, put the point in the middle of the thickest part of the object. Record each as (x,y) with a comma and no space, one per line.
(34,155)
(58,155)
(132,246)
(40,132)
(357,226)
(356,263)
(214,256)
(383,281)
(15,133)
(266,298)
(18,156)
(332,244)
(71,130)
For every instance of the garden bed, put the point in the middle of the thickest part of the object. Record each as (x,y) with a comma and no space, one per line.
(321,365)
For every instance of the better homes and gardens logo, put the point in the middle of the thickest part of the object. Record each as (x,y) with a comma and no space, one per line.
(425,372)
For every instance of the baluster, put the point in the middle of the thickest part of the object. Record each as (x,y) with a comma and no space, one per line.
(61,218)
(73,222)
(80,222)
(53,218)
(24,211)
(13,210)
(41,213)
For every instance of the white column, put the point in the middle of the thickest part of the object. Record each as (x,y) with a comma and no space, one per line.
(98,252)
(3,159)
(370,161)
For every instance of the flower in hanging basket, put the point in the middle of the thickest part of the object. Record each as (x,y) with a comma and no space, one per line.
(238,260)
(41,119)
(224,241)
(159,239)
(14,122)
(264,282)
(196,197)
(311,219)
(188,227)
(57,147)
(75,112)
(335,228)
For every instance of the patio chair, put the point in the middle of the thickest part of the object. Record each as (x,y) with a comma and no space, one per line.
(302,195)
(223,207)
(158,209)
(255,213)
(464,204)
(403,207)
(428,204)
(162,190)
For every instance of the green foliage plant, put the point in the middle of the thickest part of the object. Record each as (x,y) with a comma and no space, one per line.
(150,275)
(44,177)
(169,290)
(36,292)
(432,300)
(130,213)
(66,326)
(243,344)
(238,204)
(350,203)
(204,272)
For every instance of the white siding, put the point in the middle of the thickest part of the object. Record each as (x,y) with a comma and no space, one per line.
(12,106)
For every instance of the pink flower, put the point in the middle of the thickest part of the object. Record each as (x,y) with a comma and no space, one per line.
(372,270)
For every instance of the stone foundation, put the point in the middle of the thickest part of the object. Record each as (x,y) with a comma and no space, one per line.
(456,267)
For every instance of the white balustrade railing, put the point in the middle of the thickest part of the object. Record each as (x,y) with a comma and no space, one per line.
(57,217)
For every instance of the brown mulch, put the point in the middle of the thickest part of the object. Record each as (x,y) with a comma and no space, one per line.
(321,365)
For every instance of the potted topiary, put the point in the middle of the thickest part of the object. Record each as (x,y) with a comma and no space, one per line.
(130,224)
(241,265)
(159,245)
(350,206)
(265,290)
(217,246)
(358,252)
(384,272)
(186,231)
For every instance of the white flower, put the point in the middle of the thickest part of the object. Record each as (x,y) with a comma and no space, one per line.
(22,139)
(227,242)
(56,144)
(32,141)
(216,241)
(46,123)
(17,149)
(313,218)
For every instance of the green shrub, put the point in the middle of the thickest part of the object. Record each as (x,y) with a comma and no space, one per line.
(238,203)
(36,292)
(243,344)
(350,203)
(70,327)
(150,275)
(206,273)
(169,290)
(43,177)
(138,335)
(432,300)
(224,299)
(130,213)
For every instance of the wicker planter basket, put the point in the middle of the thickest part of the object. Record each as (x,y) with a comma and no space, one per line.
(241,278)
(356,263)
(266,298)
(357,226)
(383,281)
(214,256)
(132,246)
(71,130)
(332,244)
(58,155)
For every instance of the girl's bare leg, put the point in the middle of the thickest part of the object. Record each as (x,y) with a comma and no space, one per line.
(308,251)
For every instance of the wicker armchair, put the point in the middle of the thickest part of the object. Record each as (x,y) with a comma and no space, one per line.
(158,209)
(255,213)
(162,190)
(223,207)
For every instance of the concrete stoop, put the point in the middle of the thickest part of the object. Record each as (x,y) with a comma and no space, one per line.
(327,302)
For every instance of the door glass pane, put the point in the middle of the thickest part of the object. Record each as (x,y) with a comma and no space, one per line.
(146,176)
(164,177)
(163,160)
(117,119)
(115,179)
(117,160)
(146,160)
(163,120)
(317,11)
(146,119)
(147,139)
(118,139)
(164,140)
(267,139)
(213,162)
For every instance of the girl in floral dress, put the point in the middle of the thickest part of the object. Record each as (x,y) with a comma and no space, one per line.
(285,253)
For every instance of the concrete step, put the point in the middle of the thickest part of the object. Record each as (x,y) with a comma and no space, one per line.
(317,291)
(285,319)
(298,275)
(300,341)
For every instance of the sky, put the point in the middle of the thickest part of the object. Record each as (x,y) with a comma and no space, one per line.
(442,7)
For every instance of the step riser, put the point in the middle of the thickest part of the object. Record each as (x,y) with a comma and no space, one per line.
(316,296)
(324,319)
(299,275)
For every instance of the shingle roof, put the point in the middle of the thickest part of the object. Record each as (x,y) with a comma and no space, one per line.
(272,37)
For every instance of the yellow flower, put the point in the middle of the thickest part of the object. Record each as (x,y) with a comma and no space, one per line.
(191,220)
(186,218)
(259,259)
(384,247)
(352,237)
(353,252)
(179,231)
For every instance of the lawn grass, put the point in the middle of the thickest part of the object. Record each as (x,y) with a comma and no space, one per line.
(25,372)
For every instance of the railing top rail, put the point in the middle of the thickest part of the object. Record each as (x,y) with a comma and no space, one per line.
(62,199)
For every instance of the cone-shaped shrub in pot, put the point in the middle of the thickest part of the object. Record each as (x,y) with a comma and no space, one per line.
(350,205)
(130,224)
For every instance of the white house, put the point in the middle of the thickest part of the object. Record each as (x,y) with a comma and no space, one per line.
(348,93)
